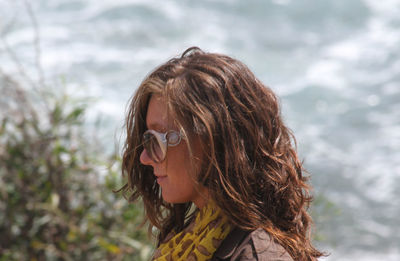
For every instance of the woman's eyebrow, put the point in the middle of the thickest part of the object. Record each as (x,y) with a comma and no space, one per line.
(156,126)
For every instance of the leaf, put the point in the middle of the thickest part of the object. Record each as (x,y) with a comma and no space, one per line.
(55,200)
(74,116)
(56,115)
(3,125)
(114,249)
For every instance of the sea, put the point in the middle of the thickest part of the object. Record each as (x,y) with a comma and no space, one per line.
(334,64)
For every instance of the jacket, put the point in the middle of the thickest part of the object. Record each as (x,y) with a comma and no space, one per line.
(242,245)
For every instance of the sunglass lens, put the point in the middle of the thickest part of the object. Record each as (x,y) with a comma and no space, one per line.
(173,138)
(152,147)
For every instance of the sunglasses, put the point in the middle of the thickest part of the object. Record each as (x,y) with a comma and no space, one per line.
(156,143)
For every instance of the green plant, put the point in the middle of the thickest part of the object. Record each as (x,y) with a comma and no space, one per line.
(56,184)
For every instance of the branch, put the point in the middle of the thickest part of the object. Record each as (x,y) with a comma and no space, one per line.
(36,43)
(18,64)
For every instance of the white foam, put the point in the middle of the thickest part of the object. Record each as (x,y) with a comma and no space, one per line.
(346,50)
(169,8)
(22,36)
(391,255)
(282,2)
(326,72)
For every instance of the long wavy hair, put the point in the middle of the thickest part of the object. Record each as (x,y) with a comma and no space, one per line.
(250,165)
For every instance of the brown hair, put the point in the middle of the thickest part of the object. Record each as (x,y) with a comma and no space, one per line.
(250,165)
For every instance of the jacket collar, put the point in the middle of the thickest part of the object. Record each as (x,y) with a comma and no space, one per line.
(230,244)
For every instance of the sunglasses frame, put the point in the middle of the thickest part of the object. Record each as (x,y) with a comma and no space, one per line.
(162,141)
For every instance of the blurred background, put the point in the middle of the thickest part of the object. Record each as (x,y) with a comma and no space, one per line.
(334,64)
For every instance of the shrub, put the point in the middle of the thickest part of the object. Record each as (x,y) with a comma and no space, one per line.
(56,182)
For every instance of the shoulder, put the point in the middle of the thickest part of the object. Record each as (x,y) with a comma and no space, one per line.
(254,245)
(259,245)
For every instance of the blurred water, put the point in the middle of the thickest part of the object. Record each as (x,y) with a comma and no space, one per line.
(335,65)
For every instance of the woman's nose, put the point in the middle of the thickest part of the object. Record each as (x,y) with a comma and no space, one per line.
(145,158)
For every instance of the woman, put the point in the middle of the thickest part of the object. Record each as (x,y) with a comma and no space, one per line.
(203,130)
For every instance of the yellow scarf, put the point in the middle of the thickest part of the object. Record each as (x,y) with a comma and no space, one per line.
(199,240)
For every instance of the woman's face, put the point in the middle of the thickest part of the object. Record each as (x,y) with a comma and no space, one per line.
(174,174)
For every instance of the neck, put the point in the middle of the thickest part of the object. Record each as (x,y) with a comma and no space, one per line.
(202,199)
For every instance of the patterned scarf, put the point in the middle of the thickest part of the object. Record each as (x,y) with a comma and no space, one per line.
(199,240)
